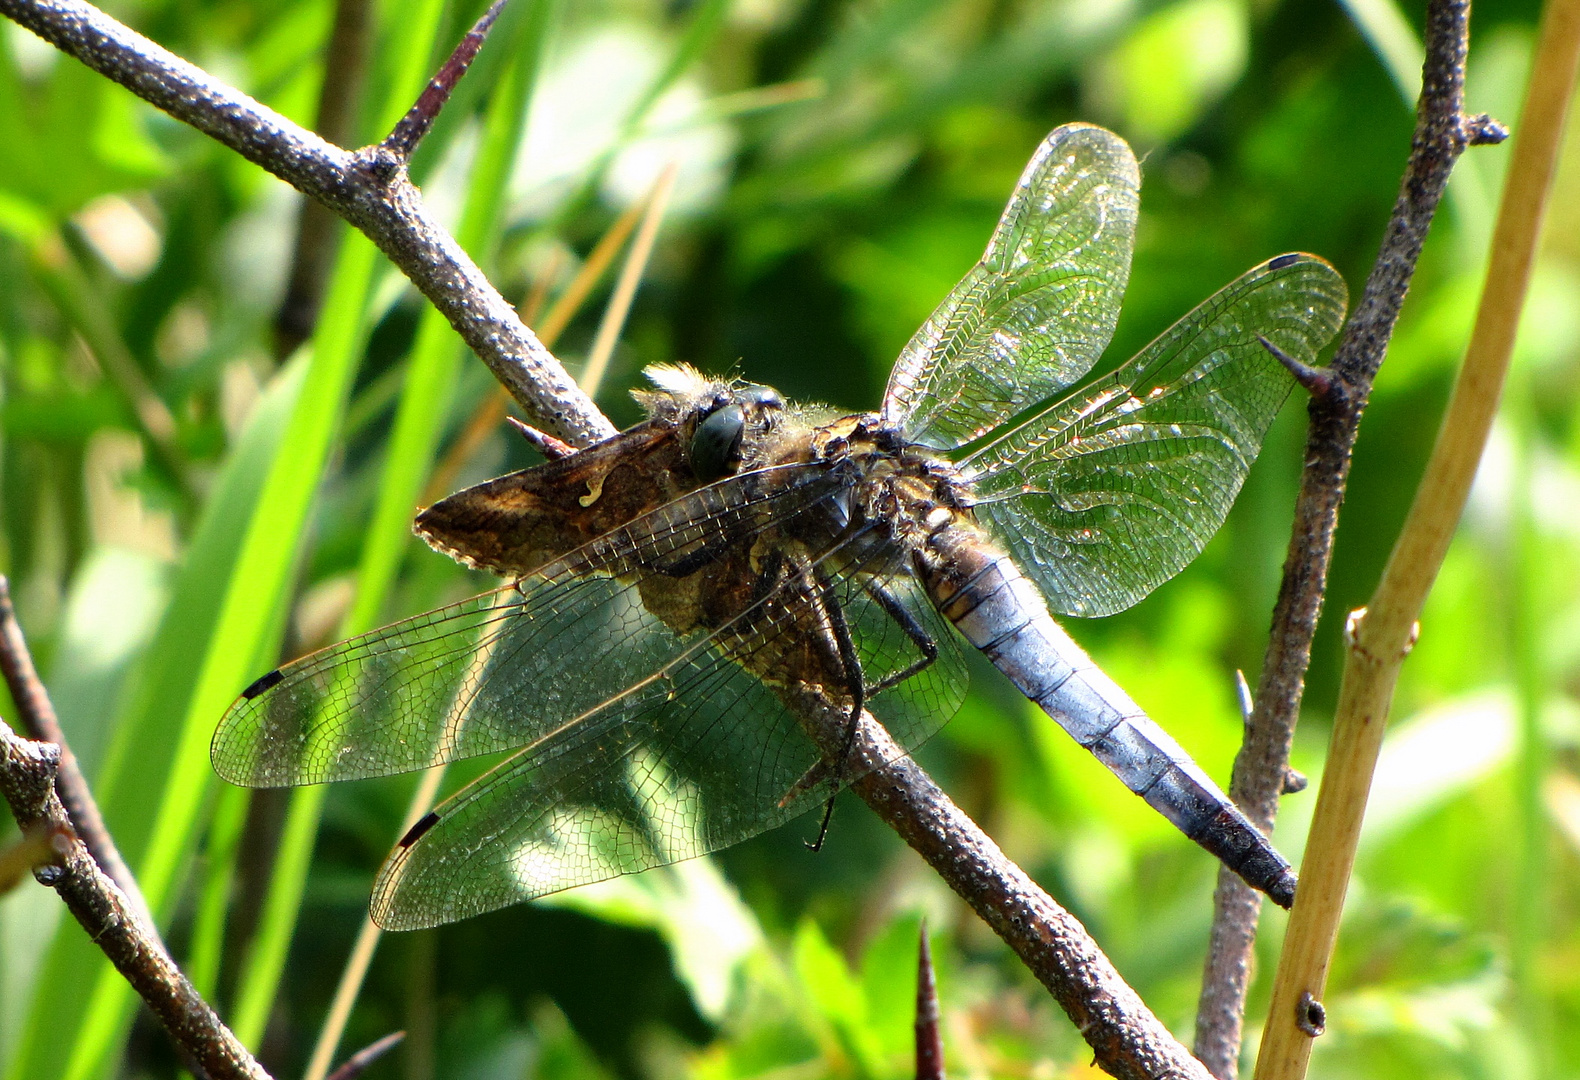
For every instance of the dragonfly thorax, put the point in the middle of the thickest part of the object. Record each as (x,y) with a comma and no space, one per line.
(905,490)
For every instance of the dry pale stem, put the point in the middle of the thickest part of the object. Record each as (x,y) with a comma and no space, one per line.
(619,306)
(1339,394)
(1380,638)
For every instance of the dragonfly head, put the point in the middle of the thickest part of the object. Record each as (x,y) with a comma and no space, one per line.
(719,436)
(719,423)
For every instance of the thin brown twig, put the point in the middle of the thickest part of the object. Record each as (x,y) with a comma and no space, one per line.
(358,1063)
(27,782)
(929,1040)
(1379,636)
(37,716)
(1261,768)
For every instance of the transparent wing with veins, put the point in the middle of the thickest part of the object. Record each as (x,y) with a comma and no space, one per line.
(1037,311)
(631,685)
(1111,491)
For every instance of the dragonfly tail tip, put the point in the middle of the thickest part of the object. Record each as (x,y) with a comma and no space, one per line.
(1282,891)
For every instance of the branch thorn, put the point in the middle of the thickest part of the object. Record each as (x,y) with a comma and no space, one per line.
(1243,692)
(541,441)
(1318,381)
(929,1041)
(1483,130)
(408,132)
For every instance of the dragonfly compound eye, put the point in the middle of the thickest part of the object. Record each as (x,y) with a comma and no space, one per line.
(716,445)
(758,394)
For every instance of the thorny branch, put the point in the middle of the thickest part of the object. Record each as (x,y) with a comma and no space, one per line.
(1339,396)
(37,716)
(368,187)
(27,782)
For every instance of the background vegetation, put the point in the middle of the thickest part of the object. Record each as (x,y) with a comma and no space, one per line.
(181,507)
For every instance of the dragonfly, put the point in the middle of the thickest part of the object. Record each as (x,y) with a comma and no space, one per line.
(678,593)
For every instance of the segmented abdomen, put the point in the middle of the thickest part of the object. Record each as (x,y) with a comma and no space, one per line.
(984,594)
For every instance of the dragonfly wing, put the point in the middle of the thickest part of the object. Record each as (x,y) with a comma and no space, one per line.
(1035,314)
(701,757)
(1113,490)
(514,524)
(500,670)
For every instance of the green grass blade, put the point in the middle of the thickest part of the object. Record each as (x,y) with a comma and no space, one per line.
(147,729)
(226,825)
(419,26)
(1394,40)
(419,421)
(706,22)
(277,924)
(701,32)
(248,628)
(1532,895)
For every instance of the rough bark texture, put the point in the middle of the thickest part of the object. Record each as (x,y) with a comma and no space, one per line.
(27,782)
(1441,134)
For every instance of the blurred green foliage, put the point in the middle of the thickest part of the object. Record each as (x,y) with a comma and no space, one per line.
(158,565)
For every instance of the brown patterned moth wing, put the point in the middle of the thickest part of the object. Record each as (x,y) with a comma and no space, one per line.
(514,524)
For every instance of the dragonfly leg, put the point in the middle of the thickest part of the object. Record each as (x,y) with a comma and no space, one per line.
(913,630)
(850,663)
(839,631)
(692,561)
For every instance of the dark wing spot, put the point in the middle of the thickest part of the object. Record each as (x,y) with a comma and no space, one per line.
(261,684)
(415,833)
(1282,261)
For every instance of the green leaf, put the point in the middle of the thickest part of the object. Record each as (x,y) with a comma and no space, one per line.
(835,994)
(888,981)
(710,933)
